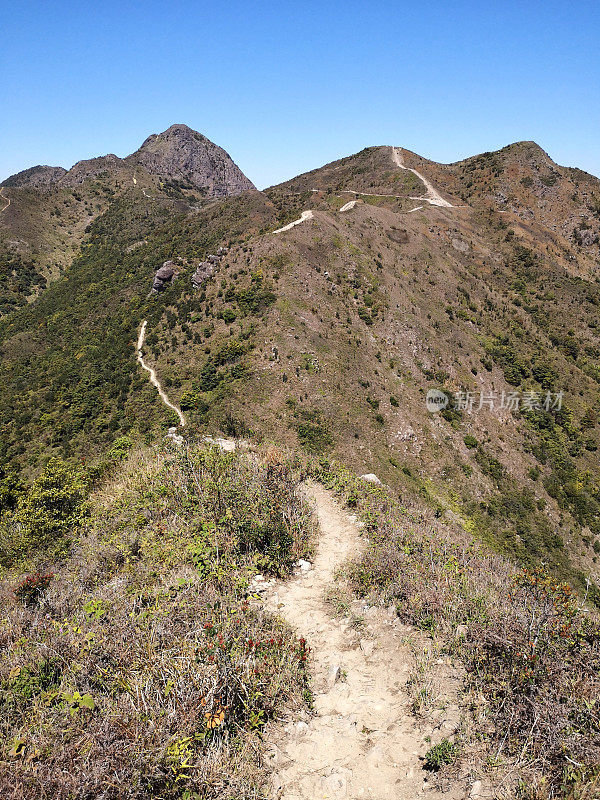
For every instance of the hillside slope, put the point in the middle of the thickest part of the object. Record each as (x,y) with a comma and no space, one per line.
(331,333)
(51,208)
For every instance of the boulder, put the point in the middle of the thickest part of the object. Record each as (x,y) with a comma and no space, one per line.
(370,477)
(164,275)
(166,272)
(203,272)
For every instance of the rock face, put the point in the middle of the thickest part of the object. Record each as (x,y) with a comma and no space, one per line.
(163,276)
(183,155)
(36,177)
(206,269)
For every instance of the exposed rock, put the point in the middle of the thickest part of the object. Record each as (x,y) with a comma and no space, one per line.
(175,437)
(335,673)
(185,156)
(204,271)
(226,445)
(164,275)
(370,477)
(367,646)
(460,245)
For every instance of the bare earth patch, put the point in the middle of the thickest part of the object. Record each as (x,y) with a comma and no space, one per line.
(363,740)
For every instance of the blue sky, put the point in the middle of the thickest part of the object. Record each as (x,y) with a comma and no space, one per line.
(287,86)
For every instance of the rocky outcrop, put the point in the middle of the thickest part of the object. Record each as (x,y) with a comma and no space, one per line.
(36,177)
(163,276)
(92,168)
(186,157)
(206,269)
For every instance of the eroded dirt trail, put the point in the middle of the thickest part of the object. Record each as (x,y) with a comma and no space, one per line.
(3,197)
(153,377)
(303,217)
(433,197)
(362,741)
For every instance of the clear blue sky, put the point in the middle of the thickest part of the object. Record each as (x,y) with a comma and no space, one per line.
(288,86)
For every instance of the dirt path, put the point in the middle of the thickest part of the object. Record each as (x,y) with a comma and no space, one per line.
(303,217)
(153,379)
(433,197)
(4,198)
(362,741)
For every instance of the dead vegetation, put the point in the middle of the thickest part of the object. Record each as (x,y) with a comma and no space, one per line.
(530,647)
(140,670)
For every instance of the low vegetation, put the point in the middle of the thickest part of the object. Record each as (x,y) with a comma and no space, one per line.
(137,665)
(530,647)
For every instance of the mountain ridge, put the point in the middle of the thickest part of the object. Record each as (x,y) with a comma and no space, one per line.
(333,325)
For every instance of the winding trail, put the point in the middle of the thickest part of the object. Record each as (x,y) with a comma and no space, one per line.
(4,198)
(153,379)
(433,197)
(362,742)
(303,217)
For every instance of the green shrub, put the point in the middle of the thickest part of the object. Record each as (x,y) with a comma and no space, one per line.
(46,514)
(446,752)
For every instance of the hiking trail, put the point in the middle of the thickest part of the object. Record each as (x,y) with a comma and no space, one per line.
(153,379)
(362,741)
(4,198)
(304,216)
(432,196)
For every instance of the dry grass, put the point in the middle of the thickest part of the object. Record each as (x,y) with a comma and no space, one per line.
(530,648)
(143,671)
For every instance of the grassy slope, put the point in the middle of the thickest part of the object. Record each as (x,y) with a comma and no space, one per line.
(142,671)
(331,335)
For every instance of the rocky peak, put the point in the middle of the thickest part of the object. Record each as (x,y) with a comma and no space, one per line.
(36,177)
(183,155)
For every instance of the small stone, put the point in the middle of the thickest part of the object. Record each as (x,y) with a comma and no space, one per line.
(304,565)
(301,726)
(370,477)
(367,646)
(476,789)
(335,673)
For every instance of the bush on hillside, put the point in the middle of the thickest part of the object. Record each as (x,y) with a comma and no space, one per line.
(162,672)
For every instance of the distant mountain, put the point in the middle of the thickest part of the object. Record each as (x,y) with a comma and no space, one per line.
(179,155)
(183,155)
(51,208)
(35,177)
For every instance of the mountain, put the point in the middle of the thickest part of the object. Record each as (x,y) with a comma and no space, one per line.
(51,208)
(184,156)
(479,277)
(430,327)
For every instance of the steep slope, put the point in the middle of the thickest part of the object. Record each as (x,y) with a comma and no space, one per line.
(187,159)
(330,334)
(51,208)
